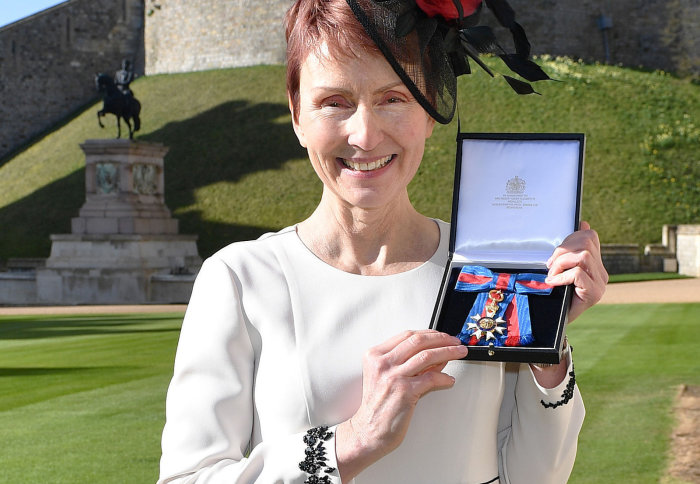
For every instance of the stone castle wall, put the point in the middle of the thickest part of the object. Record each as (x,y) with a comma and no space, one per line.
(48,62)
(196,35)
(185,35)
(655,34)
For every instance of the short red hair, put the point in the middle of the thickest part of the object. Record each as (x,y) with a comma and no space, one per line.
(310,23)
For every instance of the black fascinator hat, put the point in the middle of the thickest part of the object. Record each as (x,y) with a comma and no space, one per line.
(429,43)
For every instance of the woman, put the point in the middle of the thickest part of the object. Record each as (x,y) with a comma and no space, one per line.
(323,323)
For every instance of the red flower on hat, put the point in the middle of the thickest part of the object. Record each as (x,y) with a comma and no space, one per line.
(447,8)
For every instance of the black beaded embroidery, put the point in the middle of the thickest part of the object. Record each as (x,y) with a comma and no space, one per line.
(315,459)
(567,395)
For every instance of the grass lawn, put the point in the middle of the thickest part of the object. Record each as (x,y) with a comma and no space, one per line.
(82,397)
(630,360)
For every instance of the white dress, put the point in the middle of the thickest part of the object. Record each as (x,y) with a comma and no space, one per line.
(272,345)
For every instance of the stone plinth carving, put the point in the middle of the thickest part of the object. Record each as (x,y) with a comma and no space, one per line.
(124,189)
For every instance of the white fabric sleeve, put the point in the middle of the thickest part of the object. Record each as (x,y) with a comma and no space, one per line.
(538,428)
(209,406)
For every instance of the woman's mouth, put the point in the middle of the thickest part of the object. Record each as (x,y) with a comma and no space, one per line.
(372,165)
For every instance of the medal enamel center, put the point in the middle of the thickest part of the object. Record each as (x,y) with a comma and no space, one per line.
(486,326)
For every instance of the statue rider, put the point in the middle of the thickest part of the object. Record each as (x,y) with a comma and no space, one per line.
(123,77)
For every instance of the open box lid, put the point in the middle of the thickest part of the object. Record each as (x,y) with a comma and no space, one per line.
(516,197)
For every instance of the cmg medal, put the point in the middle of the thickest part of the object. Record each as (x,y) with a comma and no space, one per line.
(486,325)
(500,314)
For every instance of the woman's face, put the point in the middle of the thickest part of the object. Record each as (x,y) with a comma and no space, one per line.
(364,131)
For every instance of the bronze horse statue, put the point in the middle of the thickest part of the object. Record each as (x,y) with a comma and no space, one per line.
(122,105)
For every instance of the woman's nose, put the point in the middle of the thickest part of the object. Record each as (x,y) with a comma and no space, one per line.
(365,129)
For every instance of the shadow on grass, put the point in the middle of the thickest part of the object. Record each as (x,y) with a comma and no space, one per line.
(43,371)
(224,143)
(50,328)
(27,223)
(26,385)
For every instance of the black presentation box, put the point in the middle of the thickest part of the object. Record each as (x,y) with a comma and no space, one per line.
(516,197)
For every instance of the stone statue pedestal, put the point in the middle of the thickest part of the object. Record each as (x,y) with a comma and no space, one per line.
(124,189)
(124,247)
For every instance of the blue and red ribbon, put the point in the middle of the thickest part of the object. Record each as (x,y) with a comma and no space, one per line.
(514,308)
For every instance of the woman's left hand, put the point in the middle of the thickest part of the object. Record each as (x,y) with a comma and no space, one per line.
(577,261)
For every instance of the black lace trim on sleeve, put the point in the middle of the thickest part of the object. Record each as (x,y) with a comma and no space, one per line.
(315,459)
(568,393)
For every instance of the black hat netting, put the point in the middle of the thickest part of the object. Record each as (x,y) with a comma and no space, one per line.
(428,53)
(418,57)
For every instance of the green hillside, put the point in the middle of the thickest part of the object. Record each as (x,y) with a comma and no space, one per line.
(235,169)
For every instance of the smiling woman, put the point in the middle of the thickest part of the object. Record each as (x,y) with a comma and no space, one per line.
(304,356)
(364,132)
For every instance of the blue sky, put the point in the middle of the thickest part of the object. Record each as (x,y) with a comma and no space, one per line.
(13,10)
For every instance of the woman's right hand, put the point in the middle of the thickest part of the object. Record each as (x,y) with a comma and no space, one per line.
(395,375)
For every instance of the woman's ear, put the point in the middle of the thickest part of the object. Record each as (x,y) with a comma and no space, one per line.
(295,123)
(431,125)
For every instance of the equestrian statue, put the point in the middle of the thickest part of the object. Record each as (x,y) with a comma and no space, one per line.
(118,99)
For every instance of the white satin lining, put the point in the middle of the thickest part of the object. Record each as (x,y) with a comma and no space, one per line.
(517,199)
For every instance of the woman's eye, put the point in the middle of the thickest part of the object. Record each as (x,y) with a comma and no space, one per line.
(333,102)
(394,99)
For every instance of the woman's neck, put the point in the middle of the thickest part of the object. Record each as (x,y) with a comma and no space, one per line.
(382,241)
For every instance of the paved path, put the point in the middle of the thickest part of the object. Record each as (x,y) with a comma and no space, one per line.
(669,291)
